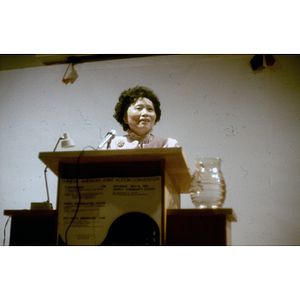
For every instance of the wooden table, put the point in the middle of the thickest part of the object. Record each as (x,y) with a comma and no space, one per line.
(201,227)
(185,227)
(32,227)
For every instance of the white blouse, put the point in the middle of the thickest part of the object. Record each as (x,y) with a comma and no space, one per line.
(133,141)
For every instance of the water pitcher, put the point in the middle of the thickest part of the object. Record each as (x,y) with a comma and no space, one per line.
(208,186)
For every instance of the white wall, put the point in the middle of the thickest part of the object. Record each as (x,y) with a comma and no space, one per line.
(213,105)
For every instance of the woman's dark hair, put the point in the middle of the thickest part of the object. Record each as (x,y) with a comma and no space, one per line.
(130,96)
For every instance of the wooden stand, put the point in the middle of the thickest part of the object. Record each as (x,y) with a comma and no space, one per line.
(117,183)
(136,219)
(201,227)
(32,227)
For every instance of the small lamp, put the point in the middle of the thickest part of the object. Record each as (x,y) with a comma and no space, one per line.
(66,143)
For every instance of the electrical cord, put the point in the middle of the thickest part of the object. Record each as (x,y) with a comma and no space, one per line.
(78,191)
(4,235)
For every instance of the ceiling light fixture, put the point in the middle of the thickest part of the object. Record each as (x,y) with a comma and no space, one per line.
(72,76)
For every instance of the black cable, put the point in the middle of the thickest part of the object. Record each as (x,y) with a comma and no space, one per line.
(78,192)
(4,231)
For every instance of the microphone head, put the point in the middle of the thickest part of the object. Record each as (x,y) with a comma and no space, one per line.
(110,135)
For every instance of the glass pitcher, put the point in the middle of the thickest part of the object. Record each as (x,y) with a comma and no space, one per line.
(208,187)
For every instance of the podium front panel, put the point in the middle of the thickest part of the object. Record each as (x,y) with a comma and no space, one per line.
(114,203)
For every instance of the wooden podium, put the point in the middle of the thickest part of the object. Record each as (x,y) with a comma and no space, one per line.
(117,197)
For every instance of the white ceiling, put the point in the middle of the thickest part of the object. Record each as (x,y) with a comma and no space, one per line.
(20,61)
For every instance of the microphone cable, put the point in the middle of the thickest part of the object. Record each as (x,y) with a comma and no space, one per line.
(78,192)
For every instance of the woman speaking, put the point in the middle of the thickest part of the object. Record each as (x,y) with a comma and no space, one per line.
(138,110)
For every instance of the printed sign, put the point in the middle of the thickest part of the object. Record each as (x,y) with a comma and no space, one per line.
(98,202)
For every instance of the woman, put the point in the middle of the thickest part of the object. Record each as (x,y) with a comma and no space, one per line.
(138,110)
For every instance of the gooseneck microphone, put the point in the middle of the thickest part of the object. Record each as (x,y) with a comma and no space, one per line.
(111,134)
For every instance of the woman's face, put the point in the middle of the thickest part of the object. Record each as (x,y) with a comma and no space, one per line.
(140,116)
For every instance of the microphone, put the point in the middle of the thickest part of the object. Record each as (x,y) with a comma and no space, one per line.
(111,134)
